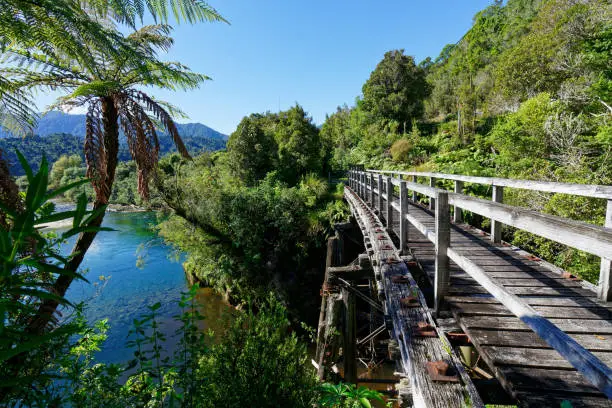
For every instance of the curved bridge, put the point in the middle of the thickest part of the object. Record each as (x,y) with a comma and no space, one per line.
(543,333)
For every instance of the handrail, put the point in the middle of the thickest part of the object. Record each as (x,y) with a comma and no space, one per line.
(585,190)
(590,238)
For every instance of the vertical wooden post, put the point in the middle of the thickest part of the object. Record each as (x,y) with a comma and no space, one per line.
(604,289)
(380,193)
(496,226)
(457,212)
(389,214)
(372,190)
(350,336)
(414,193)
(403,220)
(442,270)
(432,201)
(360,184)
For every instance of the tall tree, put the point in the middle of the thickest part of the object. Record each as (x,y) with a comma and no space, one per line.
(396,89)
(109,90)
(252,151)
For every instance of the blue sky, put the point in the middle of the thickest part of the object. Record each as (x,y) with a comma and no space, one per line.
(318,53)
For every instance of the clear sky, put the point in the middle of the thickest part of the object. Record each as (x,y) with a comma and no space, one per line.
(317,53)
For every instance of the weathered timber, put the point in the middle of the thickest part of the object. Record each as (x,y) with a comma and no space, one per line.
(605,273)
(585,190)
(457,211)
(349,350)
(350,272)
(415,351)
(442,234)
(496,226)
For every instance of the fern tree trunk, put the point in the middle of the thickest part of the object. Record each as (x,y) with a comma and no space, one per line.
(85,239)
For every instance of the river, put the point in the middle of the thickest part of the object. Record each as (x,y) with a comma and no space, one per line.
(139,270)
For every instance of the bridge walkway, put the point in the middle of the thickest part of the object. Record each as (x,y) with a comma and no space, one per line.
(532,371)
(526,365)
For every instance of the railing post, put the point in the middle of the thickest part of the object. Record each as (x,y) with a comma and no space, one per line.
(361,187)
(496,226)
(389,214)
(432,201)
(442,270)
(403,220)
(414,193)
(457,212)
(604,288)
(372,190)
(380,193)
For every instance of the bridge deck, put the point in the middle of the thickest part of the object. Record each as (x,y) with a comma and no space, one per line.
(526,366)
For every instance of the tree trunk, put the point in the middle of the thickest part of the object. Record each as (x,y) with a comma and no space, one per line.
(85,239)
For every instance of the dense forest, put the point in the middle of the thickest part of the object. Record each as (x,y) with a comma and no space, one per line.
(525,93)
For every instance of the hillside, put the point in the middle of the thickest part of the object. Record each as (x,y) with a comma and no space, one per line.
(59,133)
(525,93)
(59,122)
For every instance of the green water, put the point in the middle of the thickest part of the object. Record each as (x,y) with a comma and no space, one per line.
(129,288)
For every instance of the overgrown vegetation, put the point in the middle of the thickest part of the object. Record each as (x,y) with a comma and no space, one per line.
(524,94)
(255,218)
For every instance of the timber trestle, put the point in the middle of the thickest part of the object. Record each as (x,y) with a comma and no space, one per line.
(545,335)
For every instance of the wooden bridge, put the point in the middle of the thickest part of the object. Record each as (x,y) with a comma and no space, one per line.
(544,334)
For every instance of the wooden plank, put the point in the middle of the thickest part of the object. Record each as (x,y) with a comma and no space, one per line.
(477,309)
(528,399)
(530,281)
(581,302)
(532,357)
(585,190)
(523,290)
(593,369)
(543,380)
(569,326)
(592,342)
(590,238)
(415,350)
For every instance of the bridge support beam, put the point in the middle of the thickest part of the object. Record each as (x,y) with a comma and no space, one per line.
(415,198)
(496,226)
(604,288)
(350,336)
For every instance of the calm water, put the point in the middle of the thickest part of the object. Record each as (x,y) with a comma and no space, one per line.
(131,285)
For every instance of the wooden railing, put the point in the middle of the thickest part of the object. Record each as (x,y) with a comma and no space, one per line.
(593,239)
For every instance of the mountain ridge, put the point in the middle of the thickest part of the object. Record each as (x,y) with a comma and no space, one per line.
(55,122)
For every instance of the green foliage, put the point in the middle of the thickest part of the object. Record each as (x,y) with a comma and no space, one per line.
(524,94)
(258,363)
(252,151)
(30,264)
(400,150)
(347,395)
(396,89)
(245,240)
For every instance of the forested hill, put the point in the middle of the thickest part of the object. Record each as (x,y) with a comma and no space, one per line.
(525,93)
(59,134)
(59,122)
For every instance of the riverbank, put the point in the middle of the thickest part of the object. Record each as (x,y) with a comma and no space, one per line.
(61,205)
